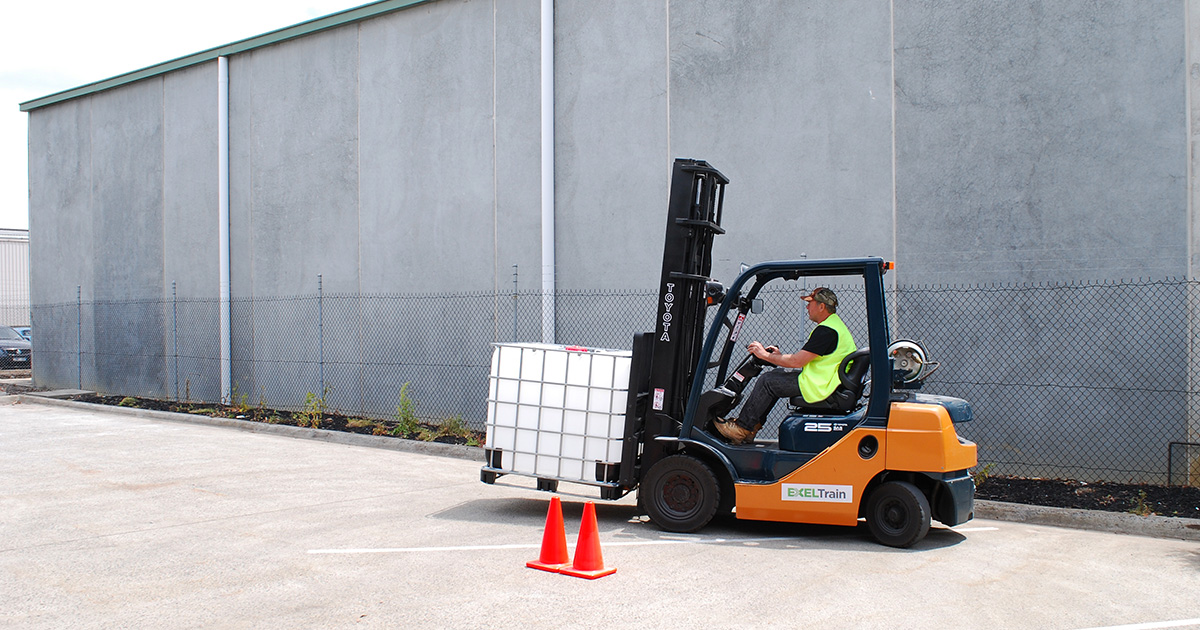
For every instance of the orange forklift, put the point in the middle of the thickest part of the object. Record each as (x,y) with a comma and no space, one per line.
(877,449)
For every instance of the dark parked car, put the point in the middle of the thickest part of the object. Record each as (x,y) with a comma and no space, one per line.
(16,349)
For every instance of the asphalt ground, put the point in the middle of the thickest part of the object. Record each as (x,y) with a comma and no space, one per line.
(110,520)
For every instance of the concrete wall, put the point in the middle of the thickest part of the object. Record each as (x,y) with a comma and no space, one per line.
(190,279)
(128,211)
(611,133)
(1041,141)
(791,100)
(60,247)
(368,152)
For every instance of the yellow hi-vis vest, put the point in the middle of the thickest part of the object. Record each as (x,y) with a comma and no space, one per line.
(819,378)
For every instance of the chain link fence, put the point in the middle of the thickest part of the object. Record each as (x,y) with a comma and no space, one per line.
(1091,381)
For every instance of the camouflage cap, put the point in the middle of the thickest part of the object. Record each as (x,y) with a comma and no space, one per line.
(823,295)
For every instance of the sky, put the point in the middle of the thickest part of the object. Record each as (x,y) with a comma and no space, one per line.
(48,47)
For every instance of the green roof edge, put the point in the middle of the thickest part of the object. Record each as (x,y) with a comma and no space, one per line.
(342,18)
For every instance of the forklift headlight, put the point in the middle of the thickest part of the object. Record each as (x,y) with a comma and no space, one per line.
(714,292)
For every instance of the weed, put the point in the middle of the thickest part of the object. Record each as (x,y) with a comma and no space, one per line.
(454,427)
(238,400)
(314,409)
(376,427)
(406,418)
(1141,509)
(206,411)
(128,401)
(981,475)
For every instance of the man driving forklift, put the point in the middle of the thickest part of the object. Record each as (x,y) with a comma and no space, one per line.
(811,372)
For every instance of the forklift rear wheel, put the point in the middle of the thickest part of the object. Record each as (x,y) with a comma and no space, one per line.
(898,514)
(680,493)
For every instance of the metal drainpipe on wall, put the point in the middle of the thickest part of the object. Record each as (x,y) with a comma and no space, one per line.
(548,317)
(223,220)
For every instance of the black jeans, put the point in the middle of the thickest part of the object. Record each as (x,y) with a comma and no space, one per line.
(768,388)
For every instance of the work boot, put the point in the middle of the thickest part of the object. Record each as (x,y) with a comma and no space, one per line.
(734,432)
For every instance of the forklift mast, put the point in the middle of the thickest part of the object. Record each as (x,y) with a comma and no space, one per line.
(664,361)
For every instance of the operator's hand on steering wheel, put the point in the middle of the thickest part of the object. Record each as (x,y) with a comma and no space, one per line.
(760,351)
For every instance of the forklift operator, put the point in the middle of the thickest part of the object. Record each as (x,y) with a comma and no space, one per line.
(827,345)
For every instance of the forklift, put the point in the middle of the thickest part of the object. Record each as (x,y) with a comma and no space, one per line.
(877,449)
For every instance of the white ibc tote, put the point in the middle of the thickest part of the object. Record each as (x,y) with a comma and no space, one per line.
(556,411)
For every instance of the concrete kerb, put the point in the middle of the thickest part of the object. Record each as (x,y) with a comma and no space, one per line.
(337,437)
(1113,522)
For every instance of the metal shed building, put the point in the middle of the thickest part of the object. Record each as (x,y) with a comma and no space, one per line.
(14,277)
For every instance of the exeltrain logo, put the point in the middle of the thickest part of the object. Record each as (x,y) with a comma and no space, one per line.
(818,493)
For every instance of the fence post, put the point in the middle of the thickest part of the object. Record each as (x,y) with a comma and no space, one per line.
(514,337)
(175,335)
(79,334)
(1192,434)
(321,336)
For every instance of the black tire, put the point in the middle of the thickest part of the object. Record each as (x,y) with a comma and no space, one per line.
(728,499)
(898,514)
(680,493)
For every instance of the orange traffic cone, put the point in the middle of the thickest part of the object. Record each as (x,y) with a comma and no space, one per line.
(588,561)
(554,541)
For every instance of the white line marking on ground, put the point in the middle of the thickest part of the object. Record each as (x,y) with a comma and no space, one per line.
(418,549)
(1153,625)
(976,529)
(631,543)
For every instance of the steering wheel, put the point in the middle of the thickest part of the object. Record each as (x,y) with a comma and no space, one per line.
(771,349)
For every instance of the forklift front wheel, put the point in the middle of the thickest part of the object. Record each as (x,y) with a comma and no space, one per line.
(680,493)
(898,514)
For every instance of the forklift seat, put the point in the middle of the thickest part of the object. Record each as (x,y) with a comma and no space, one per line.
(852,372)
